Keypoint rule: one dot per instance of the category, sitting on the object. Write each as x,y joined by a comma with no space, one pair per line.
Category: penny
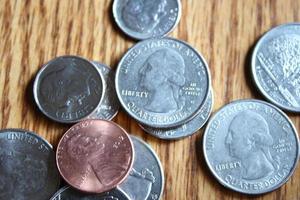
95,156
27,166
251,146
186,129
162,82
67,193
275,66
68,89
143,19
109,107
146,179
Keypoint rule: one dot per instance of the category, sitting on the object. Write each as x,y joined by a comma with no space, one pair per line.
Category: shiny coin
251,146
275,66
146,179
95,156
143,19
67,193
68,89
27,166
110,105
162,82
186,129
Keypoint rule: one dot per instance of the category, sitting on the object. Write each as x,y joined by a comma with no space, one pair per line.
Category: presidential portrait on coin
249,140
143,15
64,90
162,75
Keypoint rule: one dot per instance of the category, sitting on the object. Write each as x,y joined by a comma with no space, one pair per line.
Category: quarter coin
162,82
143,19
68,89
95,156
251,146
27,166
146,179
275,66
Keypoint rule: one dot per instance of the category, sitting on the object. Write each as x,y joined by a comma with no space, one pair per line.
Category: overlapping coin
146,179
162,82
187,129
251,146
95,156
68,89
27,166
143,19
275,66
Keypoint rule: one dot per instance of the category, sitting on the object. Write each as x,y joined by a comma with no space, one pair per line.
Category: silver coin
275,66
251,146
68,89
162,82
110,105
186,129
146,179
143,19
27,166
68,193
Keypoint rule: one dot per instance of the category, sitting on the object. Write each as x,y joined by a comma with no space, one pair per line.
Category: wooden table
224,31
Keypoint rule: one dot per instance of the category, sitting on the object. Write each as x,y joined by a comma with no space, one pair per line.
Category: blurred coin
27,166
68,89
276,66
251,146
109,107
143,19
186,129
95,156
67,193
162,82
146,179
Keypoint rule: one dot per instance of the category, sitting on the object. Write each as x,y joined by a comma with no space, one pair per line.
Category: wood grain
224,31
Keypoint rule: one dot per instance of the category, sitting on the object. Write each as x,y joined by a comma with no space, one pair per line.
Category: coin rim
117,21
220,180
36,84
253,66
113,185
169,125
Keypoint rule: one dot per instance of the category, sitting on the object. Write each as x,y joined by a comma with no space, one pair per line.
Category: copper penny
95,156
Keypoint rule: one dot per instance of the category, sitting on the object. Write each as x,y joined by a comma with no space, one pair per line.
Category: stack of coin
164,84
69,89
96,158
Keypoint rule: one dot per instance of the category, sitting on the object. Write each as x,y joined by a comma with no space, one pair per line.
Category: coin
146,179
109,107
162,82
67,193
27,166
251,146
275,66
95,156
143,19
186,129
68,89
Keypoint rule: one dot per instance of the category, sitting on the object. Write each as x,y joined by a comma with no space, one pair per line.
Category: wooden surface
224,31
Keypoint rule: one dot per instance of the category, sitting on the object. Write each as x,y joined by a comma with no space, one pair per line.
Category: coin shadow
210,179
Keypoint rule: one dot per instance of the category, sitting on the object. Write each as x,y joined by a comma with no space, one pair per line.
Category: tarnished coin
95,156
162,82
27,166
146,179
67,193
251,146
109,107
186,129
276,66
143,19
68,89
